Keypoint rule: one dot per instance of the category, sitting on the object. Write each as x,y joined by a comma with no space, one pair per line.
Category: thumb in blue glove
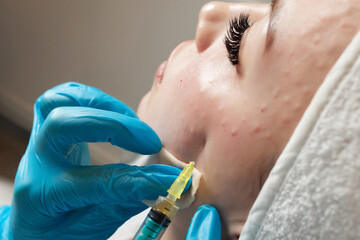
205,224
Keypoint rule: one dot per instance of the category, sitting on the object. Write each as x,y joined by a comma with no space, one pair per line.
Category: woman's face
234,120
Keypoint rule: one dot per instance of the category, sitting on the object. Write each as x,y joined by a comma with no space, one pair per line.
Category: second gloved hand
57,194
205,225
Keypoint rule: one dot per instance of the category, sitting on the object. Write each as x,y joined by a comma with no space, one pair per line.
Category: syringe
164,209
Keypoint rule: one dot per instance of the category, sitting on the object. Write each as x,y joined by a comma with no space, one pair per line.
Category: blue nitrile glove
57,194
205,224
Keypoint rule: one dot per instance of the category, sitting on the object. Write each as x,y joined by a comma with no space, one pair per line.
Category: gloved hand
205,224
57,194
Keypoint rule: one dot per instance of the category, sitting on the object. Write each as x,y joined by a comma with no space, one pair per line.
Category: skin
234,121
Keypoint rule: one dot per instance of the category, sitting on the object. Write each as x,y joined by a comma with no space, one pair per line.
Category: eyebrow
275,8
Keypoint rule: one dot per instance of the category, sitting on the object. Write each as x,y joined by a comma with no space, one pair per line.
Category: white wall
6,189
113,45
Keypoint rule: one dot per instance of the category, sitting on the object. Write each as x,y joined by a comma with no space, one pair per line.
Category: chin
143,106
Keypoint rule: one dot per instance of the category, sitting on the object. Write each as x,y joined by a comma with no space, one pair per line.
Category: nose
214,19
211,17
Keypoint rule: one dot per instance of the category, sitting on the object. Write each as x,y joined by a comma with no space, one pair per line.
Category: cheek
239,134
231,162
178,112
238,150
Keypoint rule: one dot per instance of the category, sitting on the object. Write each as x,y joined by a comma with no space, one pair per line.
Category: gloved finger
103,220
205,224
66,126
4,214
122,184
76,94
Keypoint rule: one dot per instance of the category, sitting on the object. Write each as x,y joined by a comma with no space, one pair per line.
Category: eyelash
233,36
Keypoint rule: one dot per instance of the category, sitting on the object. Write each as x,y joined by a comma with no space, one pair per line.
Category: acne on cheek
229,130
244,130
263,107
292,91
260,130
287,112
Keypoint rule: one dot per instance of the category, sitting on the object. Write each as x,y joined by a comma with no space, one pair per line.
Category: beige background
113,45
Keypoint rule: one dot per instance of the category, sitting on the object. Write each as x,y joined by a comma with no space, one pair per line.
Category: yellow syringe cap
179,185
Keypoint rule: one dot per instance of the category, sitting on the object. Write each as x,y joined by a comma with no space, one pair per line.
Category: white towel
313,191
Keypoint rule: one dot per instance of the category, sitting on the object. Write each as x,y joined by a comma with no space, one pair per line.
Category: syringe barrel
153,226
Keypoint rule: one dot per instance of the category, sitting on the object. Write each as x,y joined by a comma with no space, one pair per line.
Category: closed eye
233,36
